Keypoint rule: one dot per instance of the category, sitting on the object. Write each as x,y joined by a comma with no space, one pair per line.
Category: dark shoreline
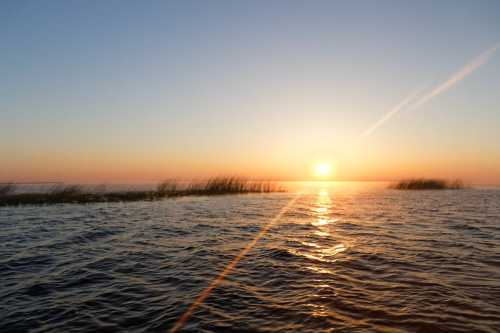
168,189
428,184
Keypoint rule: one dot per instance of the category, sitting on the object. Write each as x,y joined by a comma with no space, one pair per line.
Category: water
344,258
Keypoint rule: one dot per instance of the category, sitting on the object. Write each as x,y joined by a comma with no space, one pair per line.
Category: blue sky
122,90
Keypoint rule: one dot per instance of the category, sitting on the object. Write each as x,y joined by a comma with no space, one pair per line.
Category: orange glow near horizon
374,164
360,168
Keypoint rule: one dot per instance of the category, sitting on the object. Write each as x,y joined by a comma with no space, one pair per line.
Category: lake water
343,258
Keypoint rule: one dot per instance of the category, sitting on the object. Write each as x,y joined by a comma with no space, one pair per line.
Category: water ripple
338,261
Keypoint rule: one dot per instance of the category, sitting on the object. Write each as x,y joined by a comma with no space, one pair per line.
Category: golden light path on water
227,270
321,210
323,221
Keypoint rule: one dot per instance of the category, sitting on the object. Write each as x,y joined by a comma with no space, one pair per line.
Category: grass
428,184
6,189
166,189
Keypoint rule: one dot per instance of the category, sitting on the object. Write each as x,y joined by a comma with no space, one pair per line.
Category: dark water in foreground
342,259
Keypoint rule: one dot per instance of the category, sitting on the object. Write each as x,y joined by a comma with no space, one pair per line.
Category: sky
134,91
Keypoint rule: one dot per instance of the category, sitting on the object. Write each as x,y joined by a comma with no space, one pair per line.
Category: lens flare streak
454,79
227,270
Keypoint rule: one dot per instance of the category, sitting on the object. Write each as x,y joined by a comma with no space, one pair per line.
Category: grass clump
233,185
428,184
168,188
6,189
63,191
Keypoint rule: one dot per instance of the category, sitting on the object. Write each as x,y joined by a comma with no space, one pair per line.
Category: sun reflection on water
334,250
321,233
316,249
320,222
321,209
321,244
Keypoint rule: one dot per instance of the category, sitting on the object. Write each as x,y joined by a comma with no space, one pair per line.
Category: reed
428,184
228,185
165,189
6,189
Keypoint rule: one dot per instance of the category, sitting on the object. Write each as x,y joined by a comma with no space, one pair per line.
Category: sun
323,170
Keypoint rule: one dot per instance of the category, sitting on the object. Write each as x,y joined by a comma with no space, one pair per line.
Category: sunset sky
131,91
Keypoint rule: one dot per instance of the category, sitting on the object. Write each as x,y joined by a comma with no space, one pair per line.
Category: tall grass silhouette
428,184
165,189
6,189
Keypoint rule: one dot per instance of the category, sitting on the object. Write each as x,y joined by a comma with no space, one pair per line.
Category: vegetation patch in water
76,193
428,184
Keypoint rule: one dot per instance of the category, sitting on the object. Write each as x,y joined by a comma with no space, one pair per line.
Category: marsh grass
168,188
428,184
6,189
232,185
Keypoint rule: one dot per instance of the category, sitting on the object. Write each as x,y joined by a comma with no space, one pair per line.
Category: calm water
344,258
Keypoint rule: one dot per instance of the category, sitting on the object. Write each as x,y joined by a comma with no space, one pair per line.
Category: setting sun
323,170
